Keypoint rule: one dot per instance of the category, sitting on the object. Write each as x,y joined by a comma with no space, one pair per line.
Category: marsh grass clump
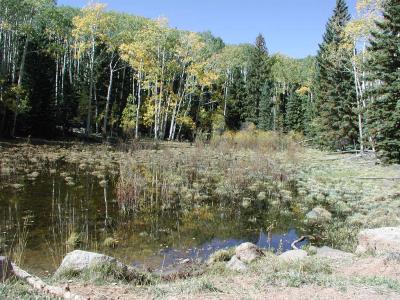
110,242
17,289
73,240
222,255
230,168
104,273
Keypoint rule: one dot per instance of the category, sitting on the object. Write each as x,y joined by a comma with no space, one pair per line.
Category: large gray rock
248,252
327,252
293,255
318,215
379,240
79,261
235,264
6,269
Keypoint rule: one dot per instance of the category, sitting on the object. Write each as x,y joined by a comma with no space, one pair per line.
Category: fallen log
42,287
293,245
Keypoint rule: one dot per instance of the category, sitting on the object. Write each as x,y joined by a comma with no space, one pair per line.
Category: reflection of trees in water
164,220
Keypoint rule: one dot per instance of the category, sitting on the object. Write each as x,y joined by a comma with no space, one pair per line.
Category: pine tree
336,98
257,82
295,116
236,96
384,68
265,118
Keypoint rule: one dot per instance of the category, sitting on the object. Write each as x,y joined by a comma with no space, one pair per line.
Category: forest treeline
92,71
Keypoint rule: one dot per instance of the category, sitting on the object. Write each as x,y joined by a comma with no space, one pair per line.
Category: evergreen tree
295,116
336,98
258,76
237,93
384,67
265,118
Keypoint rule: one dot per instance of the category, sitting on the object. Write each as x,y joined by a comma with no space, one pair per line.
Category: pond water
58,215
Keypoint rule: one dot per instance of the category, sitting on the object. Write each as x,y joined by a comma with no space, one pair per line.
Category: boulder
79,261
318,215
379,240
327,252
235,264
248,252
293,255
6,269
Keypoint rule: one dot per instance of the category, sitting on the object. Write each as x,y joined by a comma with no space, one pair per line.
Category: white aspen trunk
139,100
89,116
57,67
108,99
360,118
155,109
186,112
96,109
63,76
171,127
160,95
20,78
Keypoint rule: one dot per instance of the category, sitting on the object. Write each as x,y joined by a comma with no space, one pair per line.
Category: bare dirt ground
359,278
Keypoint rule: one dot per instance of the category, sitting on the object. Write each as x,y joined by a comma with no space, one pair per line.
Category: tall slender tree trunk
20,78
108,99
89,116
359,100
139,101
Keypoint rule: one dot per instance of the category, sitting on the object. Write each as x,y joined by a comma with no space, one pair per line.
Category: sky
291,27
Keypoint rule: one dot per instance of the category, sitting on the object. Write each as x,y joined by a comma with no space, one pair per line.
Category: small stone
293,255
236,264
248,252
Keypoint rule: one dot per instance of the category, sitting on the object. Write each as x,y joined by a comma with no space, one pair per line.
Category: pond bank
251,272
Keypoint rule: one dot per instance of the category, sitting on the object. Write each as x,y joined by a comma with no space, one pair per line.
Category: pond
61,206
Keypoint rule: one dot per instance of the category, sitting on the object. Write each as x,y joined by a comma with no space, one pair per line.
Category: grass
234,167
16,289
105,273
269,273
337,183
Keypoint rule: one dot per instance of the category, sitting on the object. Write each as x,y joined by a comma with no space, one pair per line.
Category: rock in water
248,252
6,269
318,215
379,240
236,264
293,255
